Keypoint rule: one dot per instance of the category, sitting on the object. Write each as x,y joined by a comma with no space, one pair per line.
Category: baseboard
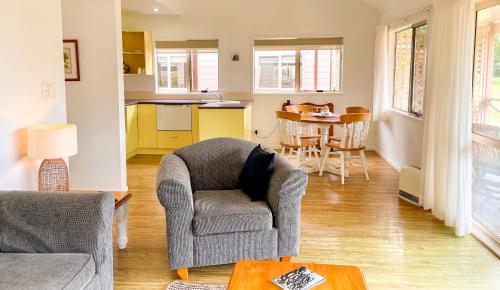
388,160
149,151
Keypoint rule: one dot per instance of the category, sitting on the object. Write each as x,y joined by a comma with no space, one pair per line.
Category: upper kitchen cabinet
137,52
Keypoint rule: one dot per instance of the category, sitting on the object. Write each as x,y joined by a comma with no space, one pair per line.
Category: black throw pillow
256,174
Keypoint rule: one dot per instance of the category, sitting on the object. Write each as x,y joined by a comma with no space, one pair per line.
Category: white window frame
188,73
296,90
279,54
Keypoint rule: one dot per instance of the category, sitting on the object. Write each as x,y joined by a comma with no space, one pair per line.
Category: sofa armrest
286,188
175,194
49,222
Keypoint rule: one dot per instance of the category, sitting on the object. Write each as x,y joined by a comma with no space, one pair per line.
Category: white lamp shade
52,141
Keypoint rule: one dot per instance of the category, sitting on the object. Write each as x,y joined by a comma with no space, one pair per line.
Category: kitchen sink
225,102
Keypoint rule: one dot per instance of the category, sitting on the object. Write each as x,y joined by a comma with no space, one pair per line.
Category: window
275,70
187,66
486,129
409,69
298,65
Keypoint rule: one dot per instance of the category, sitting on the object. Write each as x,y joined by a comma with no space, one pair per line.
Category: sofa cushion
45,271
228,211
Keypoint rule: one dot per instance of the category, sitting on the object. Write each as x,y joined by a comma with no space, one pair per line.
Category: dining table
324,123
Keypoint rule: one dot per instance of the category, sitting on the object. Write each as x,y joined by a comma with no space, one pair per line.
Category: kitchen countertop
203,104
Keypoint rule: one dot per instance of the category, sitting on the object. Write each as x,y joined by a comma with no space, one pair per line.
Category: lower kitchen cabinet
174,139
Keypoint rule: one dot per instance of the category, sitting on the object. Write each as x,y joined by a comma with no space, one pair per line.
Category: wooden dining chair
296,137
355,110
353,139
301,109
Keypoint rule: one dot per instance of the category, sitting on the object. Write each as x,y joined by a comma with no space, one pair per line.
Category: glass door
486,128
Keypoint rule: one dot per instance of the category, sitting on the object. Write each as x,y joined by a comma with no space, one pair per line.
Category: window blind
208,43
290,42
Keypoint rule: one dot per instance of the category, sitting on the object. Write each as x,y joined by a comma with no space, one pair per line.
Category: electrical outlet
48,91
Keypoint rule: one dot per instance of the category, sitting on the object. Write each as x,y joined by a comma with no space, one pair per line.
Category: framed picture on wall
71,60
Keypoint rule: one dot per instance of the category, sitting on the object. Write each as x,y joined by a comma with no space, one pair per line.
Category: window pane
269,75
419,69
172,69
177,75
324,69
307,64
402,70
320,70
275,70
205,71
486,123
288,71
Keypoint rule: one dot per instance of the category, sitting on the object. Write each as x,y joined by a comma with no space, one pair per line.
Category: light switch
48,91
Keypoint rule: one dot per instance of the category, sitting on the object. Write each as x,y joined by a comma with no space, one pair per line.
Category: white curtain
380,87
447,144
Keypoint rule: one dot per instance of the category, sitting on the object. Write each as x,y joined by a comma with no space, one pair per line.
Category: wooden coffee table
250,275
121,215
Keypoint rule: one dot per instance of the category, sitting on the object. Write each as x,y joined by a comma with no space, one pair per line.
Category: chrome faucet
215,94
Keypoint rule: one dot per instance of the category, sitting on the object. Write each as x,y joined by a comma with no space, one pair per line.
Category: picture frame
71,60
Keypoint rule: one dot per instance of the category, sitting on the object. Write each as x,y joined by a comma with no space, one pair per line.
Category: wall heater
409,185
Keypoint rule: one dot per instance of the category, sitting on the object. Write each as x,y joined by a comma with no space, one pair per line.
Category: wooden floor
396,245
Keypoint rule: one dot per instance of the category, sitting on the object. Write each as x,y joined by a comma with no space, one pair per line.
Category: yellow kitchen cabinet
234,123
138,52
146,114
195,123
132,131
174,139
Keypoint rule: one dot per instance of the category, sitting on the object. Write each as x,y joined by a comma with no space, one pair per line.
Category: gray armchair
56,240
211,222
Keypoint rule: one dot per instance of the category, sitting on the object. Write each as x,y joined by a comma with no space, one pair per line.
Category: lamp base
53,175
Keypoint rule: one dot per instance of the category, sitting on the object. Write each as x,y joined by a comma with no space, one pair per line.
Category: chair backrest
300,108
354,110
356,128
216,164
289,128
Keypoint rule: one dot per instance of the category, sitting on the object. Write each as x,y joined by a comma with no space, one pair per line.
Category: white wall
235,23
30,53
399,139
95,104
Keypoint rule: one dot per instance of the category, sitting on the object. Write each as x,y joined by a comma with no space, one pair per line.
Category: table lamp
52,143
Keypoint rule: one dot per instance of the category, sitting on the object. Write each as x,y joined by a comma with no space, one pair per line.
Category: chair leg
286,259
316,156
342,167
183,273
283,150
324,157
364,163
299,157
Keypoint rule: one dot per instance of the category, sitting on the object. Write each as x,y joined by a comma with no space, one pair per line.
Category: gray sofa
211,222
56,240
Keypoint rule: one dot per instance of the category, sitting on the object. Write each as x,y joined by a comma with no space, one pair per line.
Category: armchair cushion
256,174
45,271
215,164
229,211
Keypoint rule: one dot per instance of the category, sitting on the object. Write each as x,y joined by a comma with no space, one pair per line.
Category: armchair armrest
175,194
287,186
49,222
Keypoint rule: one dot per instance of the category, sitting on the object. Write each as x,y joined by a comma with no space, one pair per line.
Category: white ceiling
396,8
165,7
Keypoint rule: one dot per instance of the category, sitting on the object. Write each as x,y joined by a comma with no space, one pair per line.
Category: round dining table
324,124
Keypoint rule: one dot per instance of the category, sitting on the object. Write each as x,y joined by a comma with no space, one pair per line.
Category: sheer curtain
380,89
447,144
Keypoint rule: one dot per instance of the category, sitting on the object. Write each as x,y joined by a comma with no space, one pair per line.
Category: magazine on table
299,279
